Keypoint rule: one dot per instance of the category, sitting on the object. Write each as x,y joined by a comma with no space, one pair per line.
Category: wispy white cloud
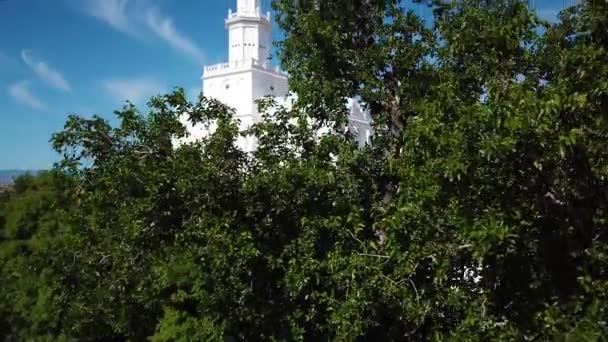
21,93
135,90
163,27
141,19
52,77
112,12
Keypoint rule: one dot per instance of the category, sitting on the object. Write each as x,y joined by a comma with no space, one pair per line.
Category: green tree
34,249
478,212
499,165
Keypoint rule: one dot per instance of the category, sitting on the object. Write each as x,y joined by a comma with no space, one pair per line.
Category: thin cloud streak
138,19
112,12
21,93
163,27
47,74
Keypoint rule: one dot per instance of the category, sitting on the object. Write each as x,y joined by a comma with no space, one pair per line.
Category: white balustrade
242,64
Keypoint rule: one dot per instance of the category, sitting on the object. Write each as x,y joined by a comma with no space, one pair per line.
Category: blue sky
86,57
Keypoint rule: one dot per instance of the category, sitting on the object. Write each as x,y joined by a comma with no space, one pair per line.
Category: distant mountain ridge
7,176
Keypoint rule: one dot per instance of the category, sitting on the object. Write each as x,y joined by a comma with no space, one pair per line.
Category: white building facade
248,75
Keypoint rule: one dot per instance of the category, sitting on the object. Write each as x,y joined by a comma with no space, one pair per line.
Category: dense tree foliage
478,212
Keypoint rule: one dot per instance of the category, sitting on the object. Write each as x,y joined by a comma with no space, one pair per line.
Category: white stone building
248,75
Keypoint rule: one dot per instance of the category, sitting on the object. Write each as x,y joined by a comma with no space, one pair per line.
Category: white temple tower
248,75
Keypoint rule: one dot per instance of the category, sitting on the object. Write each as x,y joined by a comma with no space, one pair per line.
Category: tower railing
256,14
238,65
